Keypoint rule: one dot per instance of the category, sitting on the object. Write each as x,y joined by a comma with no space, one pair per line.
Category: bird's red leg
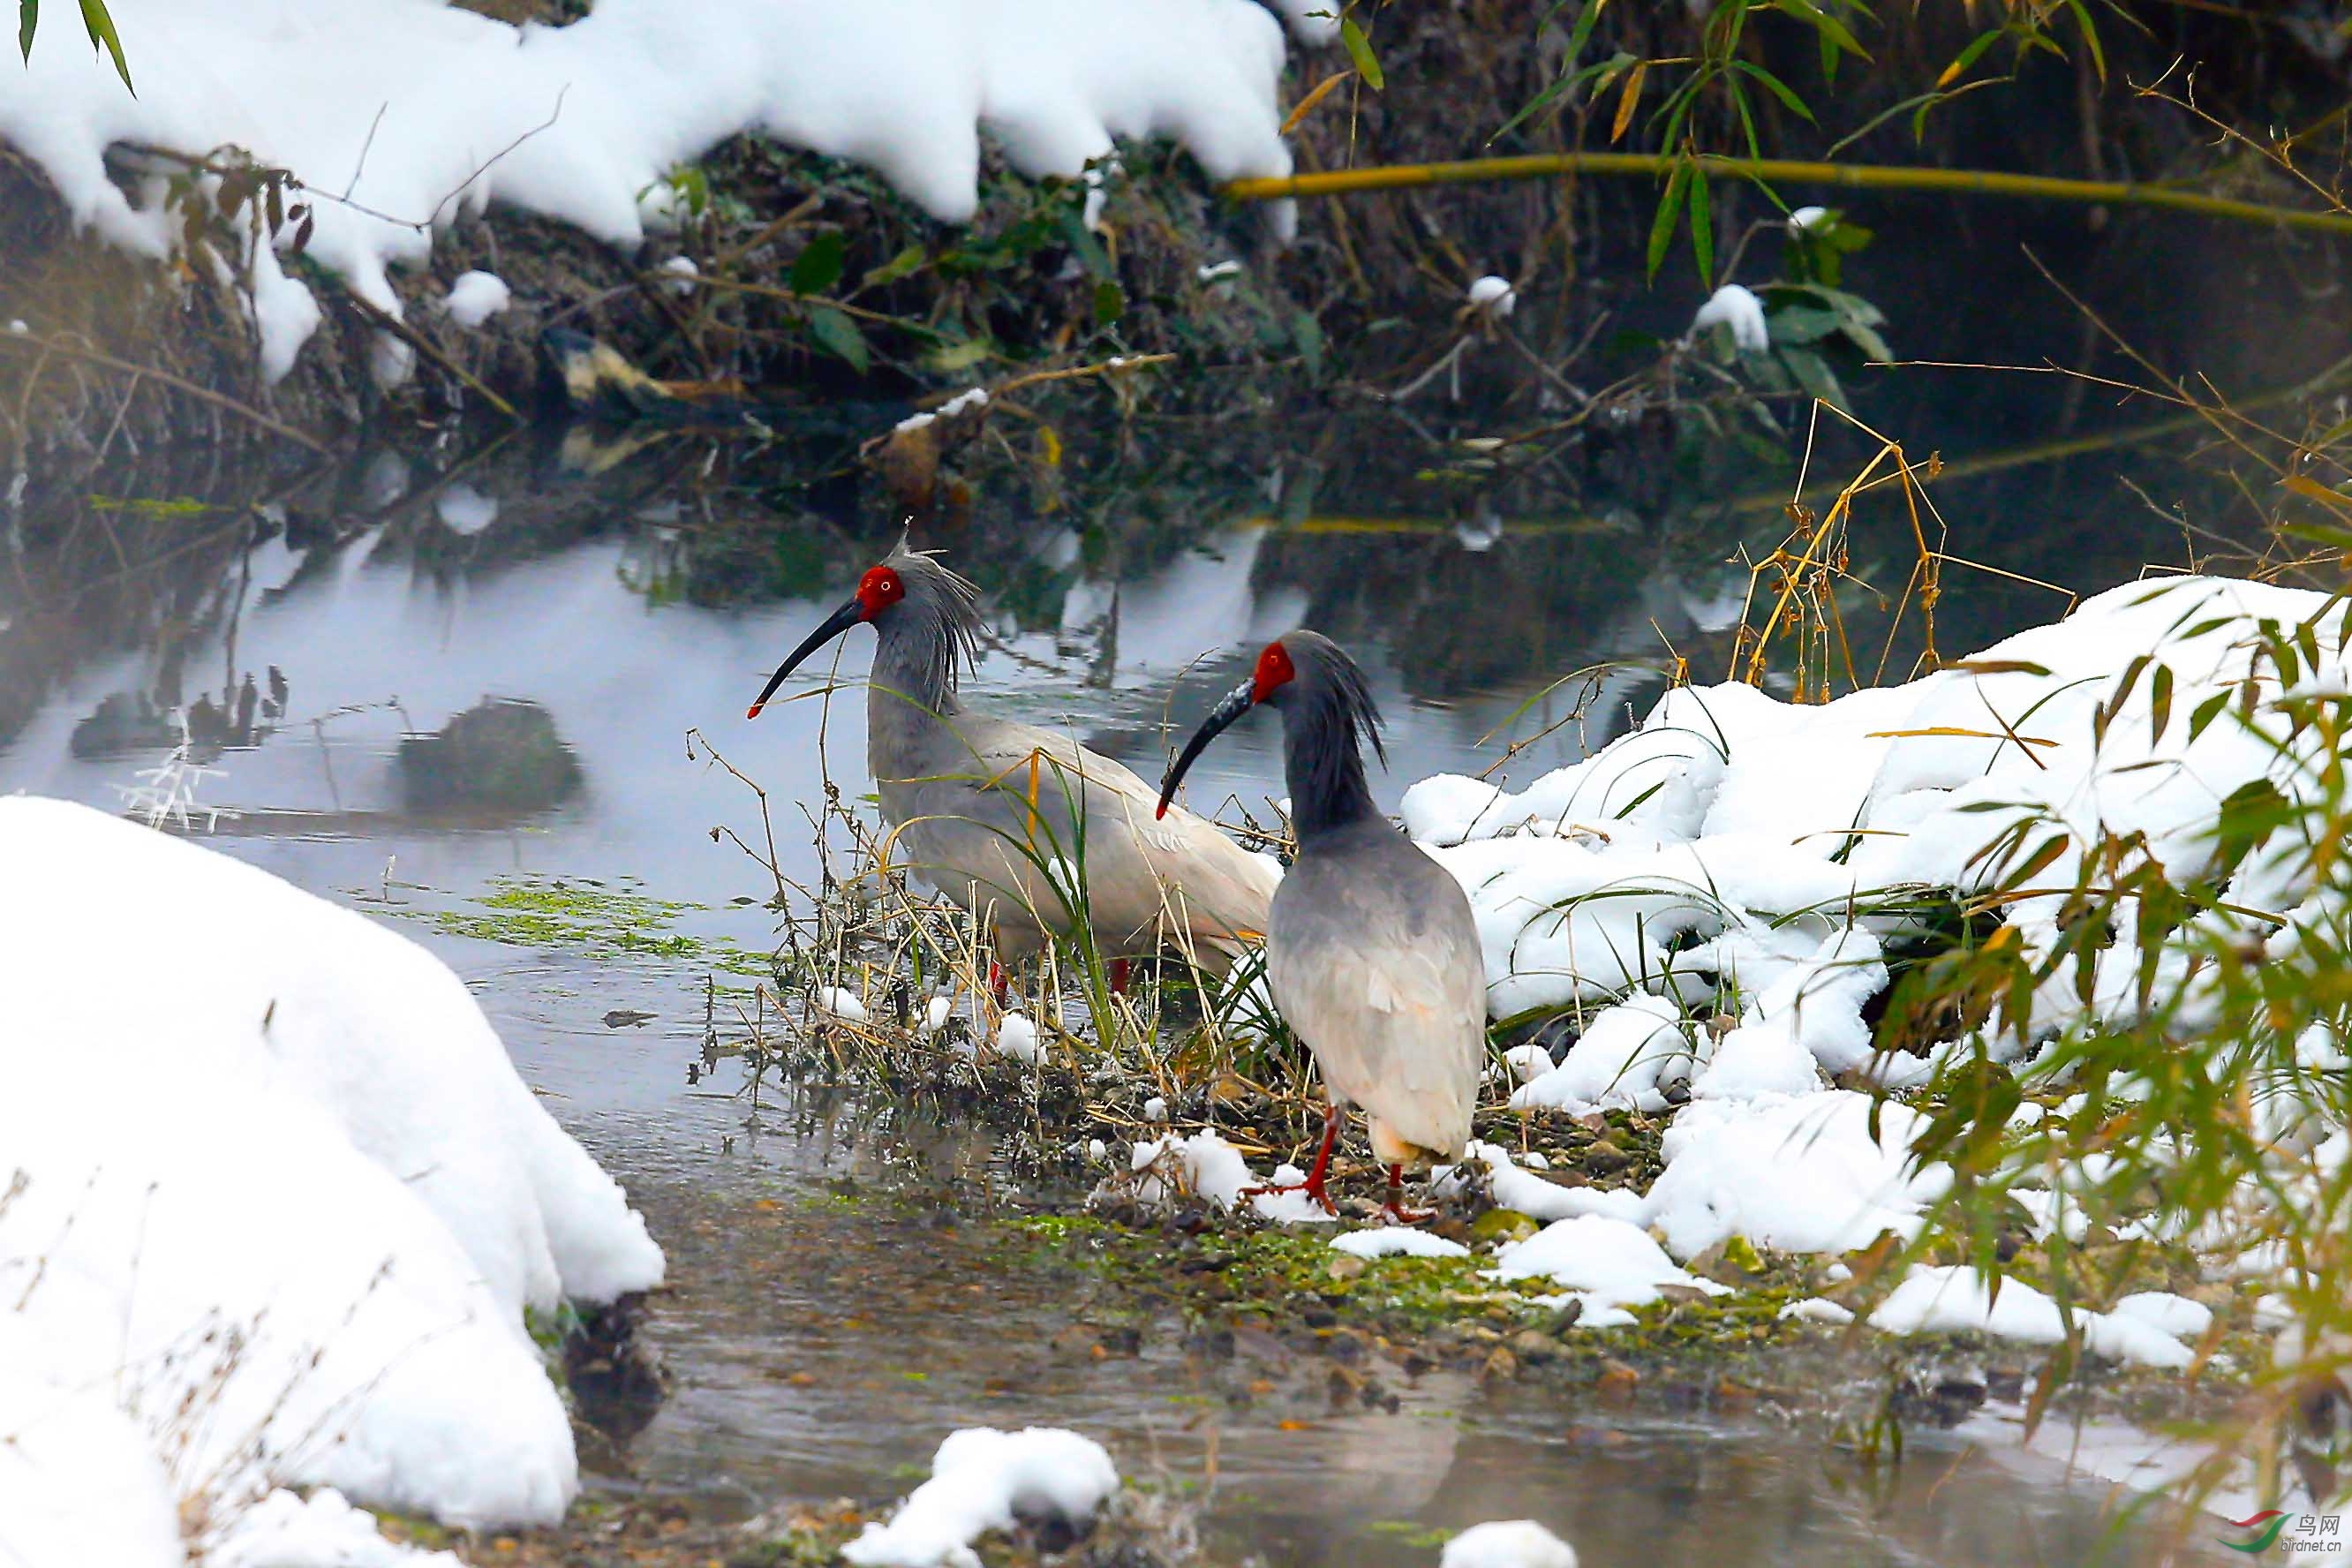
1119,977
1394,1208
996,980
1313,1185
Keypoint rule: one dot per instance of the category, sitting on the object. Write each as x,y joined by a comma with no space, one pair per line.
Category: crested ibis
982,808
1370,951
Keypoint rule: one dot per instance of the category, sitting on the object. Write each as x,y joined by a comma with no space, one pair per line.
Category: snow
1792,1175
187,1329
475,297
400,114
1627,1057
1527,1063
1607,1263
984,1479
1016,1039
964,402
1738,308
1958,1297
321,1531
838,1001
1805,217
464,510
1397,1241
1508,1543
1814,1309
1207,1166
1493,298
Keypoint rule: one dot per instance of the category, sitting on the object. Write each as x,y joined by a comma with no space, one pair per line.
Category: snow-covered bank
280,1207
398,114
1711,905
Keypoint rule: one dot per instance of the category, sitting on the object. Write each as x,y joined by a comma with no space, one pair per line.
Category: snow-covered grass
276,1208
399,114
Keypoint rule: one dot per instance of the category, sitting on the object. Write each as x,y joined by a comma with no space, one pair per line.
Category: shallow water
823,1346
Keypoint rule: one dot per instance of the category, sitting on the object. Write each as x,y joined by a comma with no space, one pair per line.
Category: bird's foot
1394,1207
1119,977
1312,1188
996,984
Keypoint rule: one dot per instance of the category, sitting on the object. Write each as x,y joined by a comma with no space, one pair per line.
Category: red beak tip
754,711
1162,812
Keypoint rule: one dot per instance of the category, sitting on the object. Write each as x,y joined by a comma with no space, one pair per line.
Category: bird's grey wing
1376,964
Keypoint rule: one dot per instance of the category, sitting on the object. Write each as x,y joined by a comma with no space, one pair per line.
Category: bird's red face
879,590
1273,670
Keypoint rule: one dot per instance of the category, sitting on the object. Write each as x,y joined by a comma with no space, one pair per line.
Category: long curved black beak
840,621
1236,703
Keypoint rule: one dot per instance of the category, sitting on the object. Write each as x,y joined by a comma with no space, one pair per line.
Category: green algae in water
594,918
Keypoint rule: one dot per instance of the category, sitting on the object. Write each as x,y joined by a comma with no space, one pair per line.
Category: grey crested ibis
983,809
1370,951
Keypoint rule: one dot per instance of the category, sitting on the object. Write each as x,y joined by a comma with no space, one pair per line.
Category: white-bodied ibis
1006,818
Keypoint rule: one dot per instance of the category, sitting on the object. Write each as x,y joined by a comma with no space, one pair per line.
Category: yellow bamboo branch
1873,177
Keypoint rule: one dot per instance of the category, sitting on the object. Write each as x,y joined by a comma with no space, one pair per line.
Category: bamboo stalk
1872,176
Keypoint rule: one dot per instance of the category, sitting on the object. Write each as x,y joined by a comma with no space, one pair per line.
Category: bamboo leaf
1776,86
1628,98
2159,703
818,266
29,17
1359,49
2205,713
1702,227
1668,218
100,27
1321,91
835,331
2090,37
1968,56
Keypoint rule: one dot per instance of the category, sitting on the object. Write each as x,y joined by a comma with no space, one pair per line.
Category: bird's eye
1274,669
879,589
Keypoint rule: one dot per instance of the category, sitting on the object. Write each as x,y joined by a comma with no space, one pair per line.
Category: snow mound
294,1239
1397,1241
1508,1543
983,1479
1753,856
1958,1299
1606,1263
412,110
1795,1175
1627,1057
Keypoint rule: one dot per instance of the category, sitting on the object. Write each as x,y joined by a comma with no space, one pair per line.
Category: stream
471,675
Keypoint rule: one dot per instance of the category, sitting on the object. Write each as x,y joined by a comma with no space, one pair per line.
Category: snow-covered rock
1508,1543
983,1479
294,1239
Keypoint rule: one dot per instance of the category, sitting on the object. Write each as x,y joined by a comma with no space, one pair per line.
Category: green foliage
95,20
1718,88
2191,1114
